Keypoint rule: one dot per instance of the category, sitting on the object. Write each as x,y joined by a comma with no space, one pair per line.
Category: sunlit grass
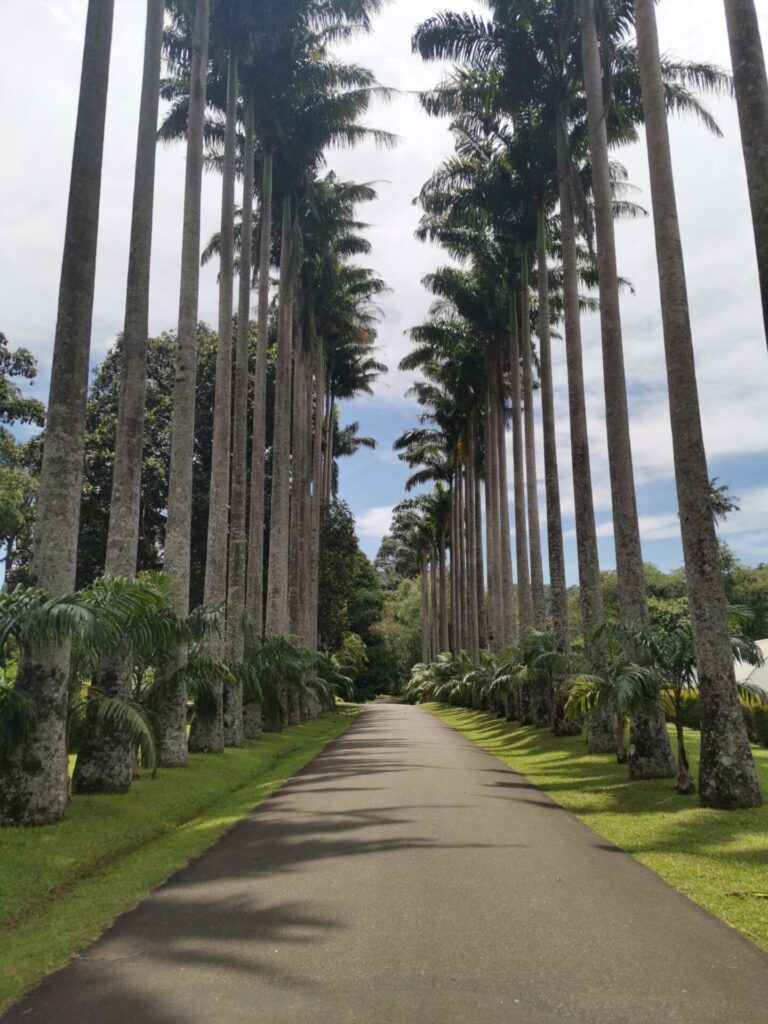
717,858
61,886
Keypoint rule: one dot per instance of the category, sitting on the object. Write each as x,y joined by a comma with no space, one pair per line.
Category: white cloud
376,522
714,212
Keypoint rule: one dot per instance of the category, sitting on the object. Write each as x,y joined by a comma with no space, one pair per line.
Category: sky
732,359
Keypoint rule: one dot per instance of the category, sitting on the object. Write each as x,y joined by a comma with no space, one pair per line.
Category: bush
755,719
749,723
691,711
760,723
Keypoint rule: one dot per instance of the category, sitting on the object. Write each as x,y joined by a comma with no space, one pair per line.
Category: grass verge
62,885
719,859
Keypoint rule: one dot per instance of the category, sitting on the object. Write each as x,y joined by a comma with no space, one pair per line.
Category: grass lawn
719,859
62,885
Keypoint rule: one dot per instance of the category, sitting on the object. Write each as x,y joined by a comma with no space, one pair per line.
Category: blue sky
730,347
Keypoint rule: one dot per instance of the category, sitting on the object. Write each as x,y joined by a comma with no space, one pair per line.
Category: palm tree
727,775
105,757
173,710
234,728
650,755
751,85
557,581
228,29
35,782
538,611
326,116
617,686
505,68
277,611
255,579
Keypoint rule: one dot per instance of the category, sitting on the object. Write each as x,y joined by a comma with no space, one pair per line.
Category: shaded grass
719,859
62,885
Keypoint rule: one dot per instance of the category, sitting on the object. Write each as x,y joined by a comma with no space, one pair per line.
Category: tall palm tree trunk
495,592
255,583
434,602
207,734
557,582
524,601
254,590
234,725
104,757
172,708
278,618
317,500
34,779
330,439
538,606
727,776
505,548
298,467
650,752
444,641
602,727
482,623
586,533
460,564
472,540
306,546
426,652
297,533
751,85
463,550
455,640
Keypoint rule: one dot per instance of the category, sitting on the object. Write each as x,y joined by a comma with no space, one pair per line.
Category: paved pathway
407,877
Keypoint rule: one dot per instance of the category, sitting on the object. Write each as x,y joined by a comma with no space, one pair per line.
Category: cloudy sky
39,102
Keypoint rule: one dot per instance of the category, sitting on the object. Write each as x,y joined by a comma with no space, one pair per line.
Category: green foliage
533,672
17,719
14,407
394,563
353,653
17,461
365,604
338,565
393,644
128,718
746,588
760,725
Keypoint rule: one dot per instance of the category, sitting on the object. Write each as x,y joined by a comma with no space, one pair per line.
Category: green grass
62,885
708,855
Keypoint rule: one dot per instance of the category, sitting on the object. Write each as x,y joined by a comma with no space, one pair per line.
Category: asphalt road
407,877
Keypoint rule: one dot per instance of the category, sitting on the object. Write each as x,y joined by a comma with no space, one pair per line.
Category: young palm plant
672,659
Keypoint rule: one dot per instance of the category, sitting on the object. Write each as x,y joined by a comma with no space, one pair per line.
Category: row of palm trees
539,95
538,685
254,92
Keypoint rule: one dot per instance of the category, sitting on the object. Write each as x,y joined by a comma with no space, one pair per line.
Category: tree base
602,731
650,752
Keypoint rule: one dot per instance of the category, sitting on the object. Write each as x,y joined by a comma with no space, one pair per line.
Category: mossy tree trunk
650,753
104,757
34,781
207,733
751,85
172,708
727,778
